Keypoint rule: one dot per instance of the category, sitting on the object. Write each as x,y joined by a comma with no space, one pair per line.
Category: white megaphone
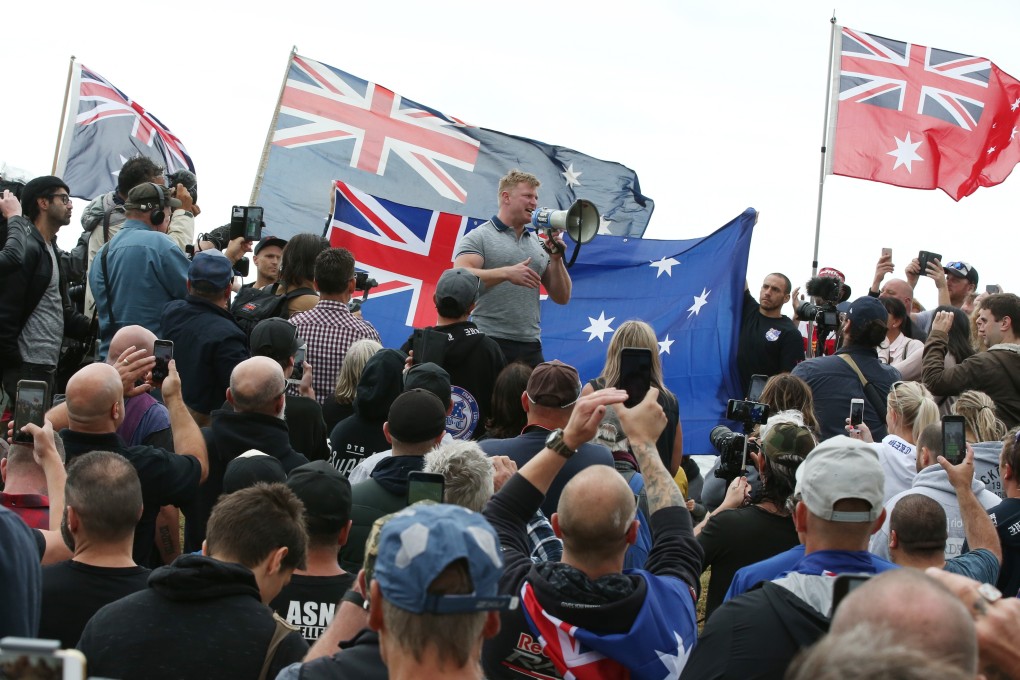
580,221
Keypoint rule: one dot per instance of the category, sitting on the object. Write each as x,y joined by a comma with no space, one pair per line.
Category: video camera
188,179
732,446
824,315
365,284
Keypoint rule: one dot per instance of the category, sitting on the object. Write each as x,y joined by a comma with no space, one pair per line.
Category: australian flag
108,128
689,291
332,125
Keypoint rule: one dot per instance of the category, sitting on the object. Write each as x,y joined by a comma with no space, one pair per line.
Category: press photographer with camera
853,372
748,527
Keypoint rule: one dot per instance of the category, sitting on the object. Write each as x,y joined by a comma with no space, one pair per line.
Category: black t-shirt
736,538
72,592
768,346
1006,516
309,602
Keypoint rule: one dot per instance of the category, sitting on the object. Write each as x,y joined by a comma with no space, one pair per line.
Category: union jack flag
108,128
921,117
332,125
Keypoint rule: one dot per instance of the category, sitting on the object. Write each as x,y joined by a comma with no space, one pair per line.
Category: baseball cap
149,196
417,544
275,338
270,241
787,439
456,290
554,384
963,270
212,267
841,468
41,186
416,416
431,377
325,492
252,467
865,309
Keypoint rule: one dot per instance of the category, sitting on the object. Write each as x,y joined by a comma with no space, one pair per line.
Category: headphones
158,213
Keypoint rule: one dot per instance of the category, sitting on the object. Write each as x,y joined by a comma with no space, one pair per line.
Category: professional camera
730,446
15,187
363,283
830,291
188,179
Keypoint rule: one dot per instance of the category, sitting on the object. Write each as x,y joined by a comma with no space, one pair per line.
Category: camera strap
870,393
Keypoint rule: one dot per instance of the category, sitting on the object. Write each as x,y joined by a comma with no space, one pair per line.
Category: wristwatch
555,442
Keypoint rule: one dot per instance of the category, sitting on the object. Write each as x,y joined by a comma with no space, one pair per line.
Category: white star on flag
1015,105
905,152
990,150
699,302
116,173
1013,134
674,663
599,327
664,345
664,265
571,176
604,225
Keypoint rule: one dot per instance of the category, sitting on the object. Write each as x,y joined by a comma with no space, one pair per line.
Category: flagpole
264,160
63,116
821,173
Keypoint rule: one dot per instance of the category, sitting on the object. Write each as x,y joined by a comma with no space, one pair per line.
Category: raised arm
642,424
977,525
188,438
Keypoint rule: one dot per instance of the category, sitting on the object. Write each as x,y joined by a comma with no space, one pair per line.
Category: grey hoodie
986,466
933,482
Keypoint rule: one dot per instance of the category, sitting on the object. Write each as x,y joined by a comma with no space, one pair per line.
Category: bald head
899,289
92,394
595,512
137,336
256,386
923,614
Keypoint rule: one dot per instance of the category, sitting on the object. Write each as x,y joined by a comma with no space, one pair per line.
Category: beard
65,533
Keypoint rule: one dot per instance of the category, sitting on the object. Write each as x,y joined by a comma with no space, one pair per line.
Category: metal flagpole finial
833,19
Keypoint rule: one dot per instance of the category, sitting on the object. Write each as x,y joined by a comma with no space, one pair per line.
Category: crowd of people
245,483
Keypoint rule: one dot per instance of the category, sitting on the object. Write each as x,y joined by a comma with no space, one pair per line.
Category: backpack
252,305
637,554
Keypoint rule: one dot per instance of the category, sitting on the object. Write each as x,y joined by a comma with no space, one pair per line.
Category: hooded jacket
1006,517
933,482
899,463
995,372
360,435
230,435
986,466
198,618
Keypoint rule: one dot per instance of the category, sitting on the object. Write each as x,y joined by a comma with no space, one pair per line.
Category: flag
108,128
921,117
678,287
332,125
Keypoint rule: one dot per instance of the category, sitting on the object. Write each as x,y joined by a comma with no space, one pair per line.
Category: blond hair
354,362
978,411
915,406
632,333
513,178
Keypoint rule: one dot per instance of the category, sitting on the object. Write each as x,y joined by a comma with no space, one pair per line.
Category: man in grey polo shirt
512,263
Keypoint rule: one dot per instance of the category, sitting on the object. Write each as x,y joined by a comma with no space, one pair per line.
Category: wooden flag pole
257,186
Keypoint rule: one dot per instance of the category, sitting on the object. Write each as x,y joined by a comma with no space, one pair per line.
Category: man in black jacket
641,621
35,313
206,615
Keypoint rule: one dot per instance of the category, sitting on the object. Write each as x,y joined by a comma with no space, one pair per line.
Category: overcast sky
716,106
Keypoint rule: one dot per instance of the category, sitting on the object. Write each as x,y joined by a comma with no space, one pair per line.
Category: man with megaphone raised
512,263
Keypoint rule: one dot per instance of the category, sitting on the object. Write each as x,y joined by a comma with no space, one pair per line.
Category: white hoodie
899,462
933,482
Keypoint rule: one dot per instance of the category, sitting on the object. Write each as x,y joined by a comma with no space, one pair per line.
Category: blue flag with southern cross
690,291
332,125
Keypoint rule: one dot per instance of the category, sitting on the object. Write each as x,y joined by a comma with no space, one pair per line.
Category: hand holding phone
923,258
856,415
31,403
954,439
246,221
635,374
163,351
425,486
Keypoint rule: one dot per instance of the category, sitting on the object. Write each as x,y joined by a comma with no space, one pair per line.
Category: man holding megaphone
512,262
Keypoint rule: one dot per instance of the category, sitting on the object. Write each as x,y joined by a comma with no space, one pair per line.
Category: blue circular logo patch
464,417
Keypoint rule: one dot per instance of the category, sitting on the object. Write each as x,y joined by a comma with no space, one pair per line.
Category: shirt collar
501,227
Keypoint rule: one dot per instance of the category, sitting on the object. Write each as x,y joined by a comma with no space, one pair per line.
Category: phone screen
856,412
30,408
635,374
62,664
954,439
253,223
163,350
757,385
299,366
424,486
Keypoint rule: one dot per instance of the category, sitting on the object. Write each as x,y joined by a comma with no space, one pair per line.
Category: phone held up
30,406
954,439
856,415
425,486
163,350
635,374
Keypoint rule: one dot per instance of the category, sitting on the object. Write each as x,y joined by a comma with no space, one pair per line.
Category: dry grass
704,597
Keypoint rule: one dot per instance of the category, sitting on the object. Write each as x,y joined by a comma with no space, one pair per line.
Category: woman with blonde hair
911,408
639,334
342,404
984,433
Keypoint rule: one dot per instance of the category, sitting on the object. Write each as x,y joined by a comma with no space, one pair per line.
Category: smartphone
993,288
846,584
757,385
856,414
30,658
954,439
747,411
31,404
635,374
246,221
887,252
163,350
924,257
429,346
299,366
425,486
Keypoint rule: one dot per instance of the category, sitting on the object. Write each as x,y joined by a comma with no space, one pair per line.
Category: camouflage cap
788,439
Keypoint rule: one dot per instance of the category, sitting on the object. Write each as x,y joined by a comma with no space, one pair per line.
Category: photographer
759,526
854,371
